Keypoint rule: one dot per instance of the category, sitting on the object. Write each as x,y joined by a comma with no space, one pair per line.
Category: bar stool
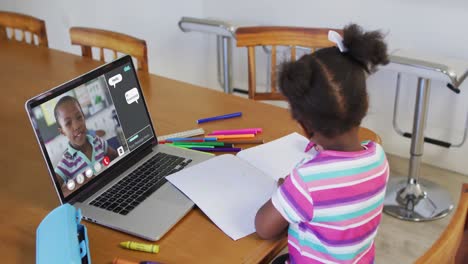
225,33
411,198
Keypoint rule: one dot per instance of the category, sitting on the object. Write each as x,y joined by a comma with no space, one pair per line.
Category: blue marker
214,118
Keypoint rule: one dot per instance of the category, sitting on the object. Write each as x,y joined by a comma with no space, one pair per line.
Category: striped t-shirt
74,162
333,203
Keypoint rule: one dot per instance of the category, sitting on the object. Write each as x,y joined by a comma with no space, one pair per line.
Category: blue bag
61,239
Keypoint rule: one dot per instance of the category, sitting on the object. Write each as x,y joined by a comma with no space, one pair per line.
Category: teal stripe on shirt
291,218
322,249
337,218
342,173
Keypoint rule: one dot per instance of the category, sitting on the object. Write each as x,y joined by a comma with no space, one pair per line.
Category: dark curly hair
60,102
326,90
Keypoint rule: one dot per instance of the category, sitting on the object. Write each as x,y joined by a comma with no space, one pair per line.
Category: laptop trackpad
151,219
164,209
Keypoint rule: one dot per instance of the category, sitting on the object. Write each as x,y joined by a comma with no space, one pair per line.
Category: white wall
171,53
429,26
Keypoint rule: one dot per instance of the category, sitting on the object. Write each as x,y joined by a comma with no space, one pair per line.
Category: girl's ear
60,130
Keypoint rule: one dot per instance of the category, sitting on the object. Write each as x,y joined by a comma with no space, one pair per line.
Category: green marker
188,149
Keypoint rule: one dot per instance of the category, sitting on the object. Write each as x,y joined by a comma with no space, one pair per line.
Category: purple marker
214,118
199,139
218,149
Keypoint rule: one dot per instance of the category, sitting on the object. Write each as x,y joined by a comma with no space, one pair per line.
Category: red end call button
106,161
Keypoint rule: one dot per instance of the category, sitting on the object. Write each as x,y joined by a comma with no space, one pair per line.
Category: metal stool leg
224,50
411,198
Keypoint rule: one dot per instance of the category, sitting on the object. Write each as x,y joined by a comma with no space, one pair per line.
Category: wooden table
26,191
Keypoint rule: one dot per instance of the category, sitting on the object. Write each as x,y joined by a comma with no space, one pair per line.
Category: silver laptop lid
90,127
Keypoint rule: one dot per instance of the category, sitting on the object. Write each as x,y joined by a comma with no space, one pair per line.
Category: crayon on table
221,117
152,248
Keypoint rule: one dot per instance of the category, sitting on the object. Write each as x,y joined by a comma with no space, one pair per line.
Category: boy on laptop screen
102,153
85,151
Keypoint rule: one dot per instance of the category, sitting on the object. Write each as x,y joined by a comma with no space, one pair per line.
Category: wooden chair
293,37
23,24
312,38
452,245
104,39
367,134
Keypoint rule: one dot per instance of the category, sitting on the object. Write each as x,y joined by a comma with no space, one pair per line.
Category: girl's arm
269,223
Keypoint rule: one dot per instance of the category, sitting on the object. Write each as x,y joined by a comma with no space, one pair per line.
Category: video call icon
80,178
97,167
120,150
106,161
88,172
71,185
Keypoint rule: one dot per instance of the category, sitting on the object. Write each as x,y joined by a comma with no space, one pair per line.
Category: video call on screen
127,101
106,113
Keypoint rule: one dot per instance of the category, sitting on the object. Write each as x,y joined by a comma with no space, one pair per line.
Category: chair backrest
22,24
116,42
445,249
367,134
251,37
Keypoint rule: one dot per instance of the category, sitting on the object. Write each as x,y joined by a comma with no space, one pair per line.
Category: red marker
106,160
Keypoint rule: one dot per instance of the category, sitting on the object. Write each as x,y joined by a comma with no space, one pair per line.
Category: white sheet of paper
278,157
228,190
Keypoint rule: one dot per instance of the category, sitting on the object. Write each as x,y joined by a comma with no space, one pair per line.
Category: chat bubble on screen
115,79
132,95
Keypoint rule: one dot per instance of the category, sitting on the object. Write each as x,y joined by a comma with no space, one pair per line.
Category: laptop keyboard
133,189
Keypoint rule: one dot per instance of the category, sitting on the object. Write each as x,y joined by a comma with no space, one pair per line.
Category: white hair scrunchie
336,38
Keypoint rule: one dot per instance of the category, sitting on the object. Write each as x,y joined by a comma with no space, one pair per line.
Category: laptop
102,152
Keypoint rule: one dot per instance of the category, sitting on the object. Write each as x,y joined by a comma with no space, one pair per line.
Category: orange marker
123,261
235,136
245,141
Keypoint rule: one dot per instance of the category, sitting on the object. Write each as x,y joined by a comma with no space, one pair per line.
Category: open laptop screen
89,124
